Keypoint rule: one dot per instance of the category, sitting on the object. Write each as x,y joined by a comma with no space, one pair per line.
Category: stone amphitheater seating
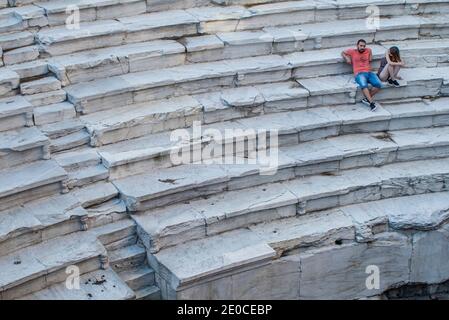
86,179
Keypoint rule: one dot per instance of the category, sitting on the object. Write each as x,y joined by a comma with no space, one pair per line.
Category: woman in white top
390,66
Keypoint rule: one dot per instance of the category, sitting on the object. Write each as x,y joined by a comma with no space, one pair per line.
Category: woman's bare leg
394,73
385,73
390,72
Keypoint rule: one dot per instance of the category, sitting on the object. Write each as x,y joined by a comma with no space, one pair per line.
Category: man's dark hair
361,40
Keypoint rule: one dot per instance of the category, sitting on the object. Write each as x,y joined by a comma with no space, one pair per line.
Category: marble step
59,40
71,160
86,176
290,12
138,278
40,220
15,112
325,49
108,212
126,242
30,70
211,20
149,293
365,220
325,62
233,45
175,224
115,60
11,24
411,6
13,40
9,82
95,64
328,156
259,11
30,16
122,90
46,98
30,182
127,257
40,86
130,58
301,243
119,90
332,34
100,34
332,90
145,118
189,263
21,55
52,113
155,151
221,257
412,48
424,212
139,155
95,193
22,146
70,141
92,10
162,5
112,233
136,120
32,269
62,128
281,14
420,215
420,82
96,285
95,10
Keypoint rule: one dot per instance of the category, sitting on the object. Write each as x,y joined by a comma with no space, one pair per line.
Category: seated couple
361,58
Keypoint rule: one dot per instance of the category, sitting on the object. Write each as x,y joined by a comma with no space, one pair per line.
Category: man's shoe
365,101
373,106
393,83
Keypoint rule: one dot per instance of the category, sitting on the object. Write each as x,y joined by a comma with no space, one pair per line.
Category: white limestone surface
48,257
39,214
315,230
29,176
204,258
340,272
96,285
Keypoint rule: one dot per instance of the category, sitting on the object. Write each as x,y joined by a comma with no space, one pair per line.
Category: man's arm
346,57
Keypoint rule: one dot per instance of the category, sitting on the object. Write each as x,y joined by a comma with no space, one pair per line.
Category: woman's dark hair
395,56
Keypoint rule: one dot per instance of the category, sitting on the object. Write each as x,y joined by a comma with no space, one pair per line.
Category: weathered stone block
342,271
21,55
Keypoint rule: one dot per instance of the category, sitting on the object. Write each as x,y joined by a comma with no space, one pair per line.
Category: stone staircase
87,178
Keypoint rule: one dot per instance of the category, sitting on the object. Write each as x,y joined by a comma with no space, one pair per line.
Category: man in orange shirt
360,59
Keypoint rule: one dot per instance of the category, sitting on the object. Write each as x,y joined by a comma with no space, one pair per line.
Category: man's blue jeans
363,78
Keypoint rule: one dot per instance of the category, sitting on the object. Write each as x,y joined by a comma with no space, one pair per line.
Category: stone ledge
22,146
39,221
205,258
30,176
112,287
184,178
308,244
230,210
43,261
135,156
